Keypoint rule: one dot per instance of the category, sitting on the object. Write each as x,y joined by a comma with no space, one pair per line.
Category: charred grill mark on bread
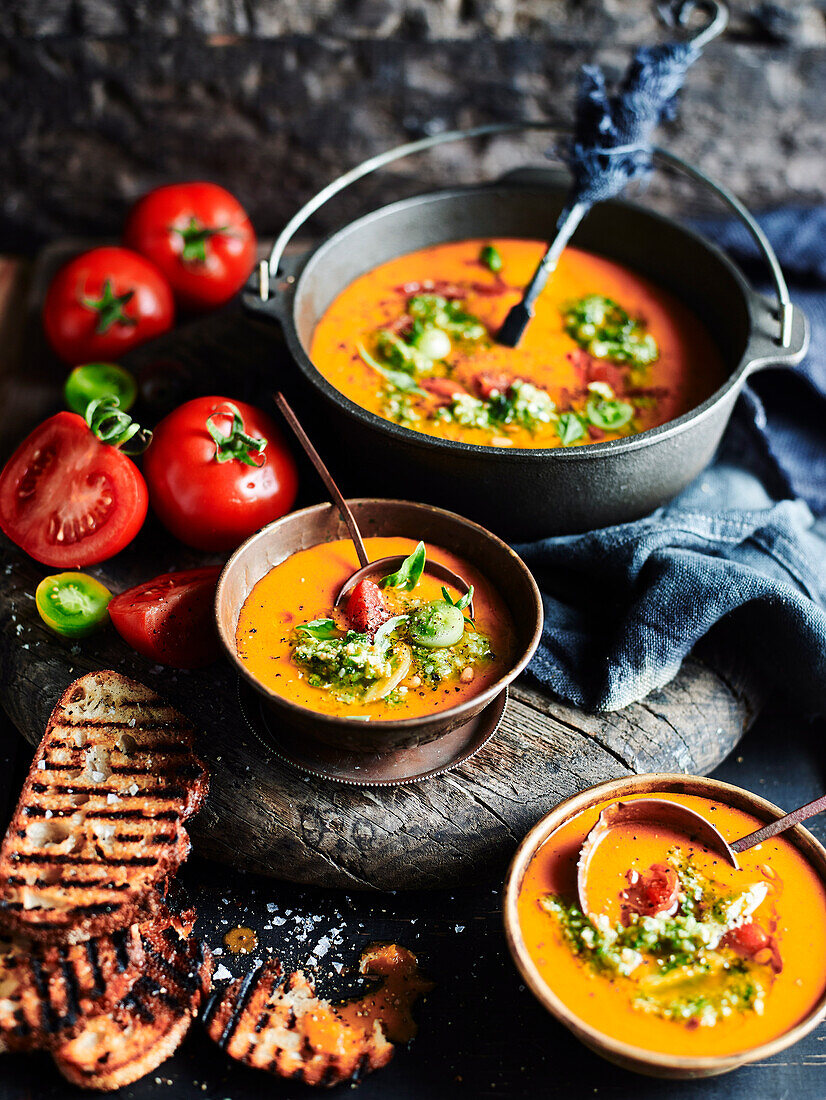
101,815
261,1022
48,989
146,1027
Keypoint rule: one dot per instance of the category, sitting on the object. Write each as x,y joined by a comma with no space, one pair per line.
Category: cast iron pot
530,493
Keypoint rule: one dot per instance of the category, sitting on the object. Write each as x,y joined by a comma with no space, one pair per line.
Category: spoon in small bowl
381,567
661,811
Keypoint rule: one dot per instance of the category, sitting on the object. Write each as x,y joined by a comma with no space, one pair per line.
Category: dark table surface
481,1033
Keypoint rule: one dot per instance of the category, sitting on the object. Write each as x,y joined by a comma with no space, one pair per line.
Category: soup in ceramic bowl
683,964
402,646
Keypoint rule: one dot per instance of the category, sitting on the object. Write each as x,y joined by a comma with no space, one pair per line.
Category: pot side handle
763,349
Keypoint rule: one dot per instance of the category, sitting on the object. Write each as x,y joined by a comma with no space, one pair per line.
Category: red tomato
170,618
365,609
67,499
103,303
442,389
489,382
206,497
748,939
654,891
199,236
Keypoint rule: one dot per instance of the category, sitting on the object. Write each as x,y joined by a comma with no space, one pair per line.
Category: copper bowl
322,523
649,1062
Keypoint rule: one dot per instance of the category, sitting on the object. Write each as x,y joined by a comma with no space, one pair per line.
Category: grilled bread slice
101,816
114,1049
286,1029
45,990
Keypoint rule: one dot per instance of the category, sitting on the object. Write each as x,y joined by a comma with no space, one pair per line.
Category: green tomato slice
436,625
93,381
72,604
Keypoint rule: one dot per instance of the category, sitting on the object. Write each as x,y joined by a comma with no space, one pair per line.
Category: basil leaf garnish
491,257
399,379
320,629
463,601
570,428
409,572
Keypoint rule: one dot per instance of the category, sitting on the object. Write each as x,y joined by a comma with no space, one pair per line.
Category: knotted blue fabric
741,551
612,140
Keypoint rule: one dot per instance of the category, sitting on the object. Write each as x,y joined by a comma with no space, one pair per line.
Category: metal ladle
661,811
381,567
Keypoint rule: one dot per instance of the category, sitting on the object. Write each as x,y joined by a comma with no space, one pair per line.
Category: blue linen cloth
744,545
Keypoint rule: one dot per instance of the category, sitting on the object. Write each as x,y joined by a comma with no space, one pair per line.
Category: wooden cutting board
261,815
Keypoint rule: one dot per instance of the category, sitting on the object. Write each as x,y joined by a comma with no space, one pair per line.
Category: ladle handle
326,477
781,825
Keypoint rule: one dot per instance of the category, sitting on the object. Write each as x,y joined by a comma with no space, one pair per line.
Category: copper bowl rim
446,717
632,1057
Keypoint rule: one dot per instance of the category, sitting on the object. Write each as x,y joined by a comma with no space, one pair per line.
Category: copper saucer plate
369,769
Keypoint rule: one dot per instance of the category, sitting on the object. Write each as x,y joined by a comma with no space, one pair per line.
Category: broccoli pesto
681,966
402,642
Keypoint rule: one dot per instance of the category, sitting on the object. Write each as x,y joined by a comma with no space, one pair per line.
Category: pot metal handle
269,270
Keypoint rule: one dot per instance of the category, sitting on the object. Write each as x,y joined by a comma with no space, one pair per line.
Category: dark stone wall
101,100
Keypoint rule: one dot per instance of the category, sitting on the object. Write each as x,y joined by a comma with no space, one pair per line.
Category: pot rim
385,725
756,309
606,1045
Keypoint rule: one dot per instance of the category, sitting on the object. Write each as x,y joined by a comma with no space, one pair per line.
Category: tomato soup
401,648
680,953
607,354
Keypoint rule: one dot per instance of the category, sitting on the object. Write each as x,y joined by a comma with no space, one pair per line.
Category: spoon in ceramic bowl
381,567
661,811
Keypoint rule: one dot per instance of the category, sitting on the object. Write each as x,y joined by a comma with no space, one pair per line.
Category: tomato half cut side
69,500
653,892
169,619
72,604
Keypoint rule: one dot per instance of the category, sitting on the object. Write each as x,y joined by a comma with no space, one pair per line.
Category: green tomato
609,415
95,380
434,343
436,625
72,604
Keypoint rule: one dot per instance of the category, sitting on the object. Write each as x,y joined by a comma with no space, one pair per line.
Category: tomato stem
195,236
238,444
109,308
110,424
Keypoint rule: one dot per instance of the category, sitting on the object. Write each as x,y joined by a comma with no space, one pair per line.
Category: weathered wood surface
261,815
267,818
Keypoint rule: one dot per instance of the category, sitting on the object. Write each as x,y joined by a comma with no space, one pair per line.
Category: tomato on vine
217,471
69,495
104,302
199,236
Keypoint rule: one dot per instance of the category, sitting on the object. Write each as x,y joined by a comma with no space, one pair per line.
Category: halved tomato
68,499
169,619
366,609
652,892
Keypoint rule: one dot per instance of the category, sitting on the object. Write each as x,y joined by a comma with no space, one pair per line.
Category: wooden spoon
661,811
381,567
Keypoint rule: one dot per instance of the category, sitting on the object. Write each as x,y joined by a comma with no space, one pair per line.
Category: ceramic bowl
651,1063
322,523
